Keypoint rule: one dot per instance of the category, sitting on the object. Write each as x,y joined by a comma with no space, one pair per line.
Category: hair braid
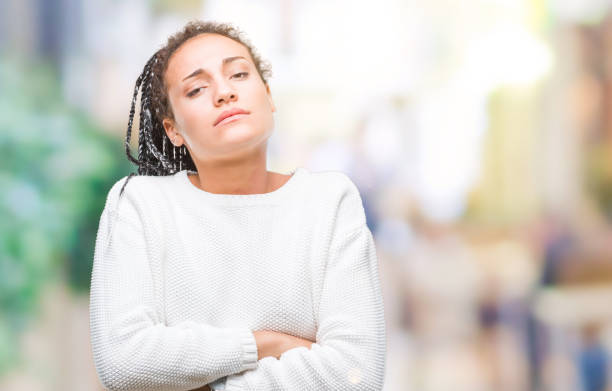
131,120
145,162
146,126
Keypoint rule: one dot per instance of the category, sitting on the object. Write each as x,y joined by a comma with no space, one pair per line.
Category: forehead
202,51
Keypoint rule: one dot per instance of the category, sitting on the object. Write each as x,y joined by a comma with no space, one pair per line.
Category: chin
239,137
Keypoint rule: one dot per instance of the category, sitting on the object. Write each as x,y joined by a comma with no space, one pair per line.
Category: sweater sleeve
132,347
350,348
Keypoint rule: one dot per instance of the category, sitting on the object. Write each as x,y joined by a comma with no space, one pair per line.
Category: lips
229,113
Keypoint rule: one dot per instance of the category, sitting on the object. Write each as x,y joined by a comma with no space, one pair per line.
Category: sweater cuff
249,349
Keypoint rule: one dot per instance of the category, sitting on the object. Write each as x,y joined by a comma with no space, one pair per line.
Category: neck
246,174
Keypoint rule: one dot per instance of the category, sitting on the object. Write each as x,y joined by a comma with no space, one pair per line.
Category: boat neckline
281,192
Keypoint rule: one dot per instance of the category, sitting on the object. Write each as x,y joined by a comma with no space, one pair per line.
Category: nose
225,93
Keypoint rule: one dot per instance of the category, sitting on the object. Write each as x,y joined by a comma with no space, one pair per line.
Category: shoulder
342,195
136,189
333,182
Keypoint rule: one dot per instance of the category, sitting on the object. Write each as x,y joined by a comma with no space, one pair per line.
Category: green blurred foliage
56,169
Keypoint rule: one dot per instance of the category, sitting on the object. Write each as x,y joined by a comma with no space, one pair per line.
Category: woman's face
207,75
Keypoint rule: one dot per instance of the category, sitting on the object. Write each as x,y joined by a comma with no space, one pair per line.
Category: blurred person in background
209,270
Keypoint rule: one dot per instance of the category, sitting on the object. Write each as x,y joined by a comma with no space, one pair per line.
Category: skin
230,158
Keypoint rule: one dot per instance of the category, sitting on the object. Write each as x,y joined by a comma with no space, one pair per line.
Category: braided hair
155,155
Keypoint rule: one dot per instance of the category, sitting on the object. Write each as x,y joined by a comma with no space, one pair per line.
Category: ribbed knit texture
182,277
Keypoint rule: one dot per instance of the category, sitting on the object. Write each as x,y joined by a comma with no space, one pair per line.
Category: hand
291,341
273,343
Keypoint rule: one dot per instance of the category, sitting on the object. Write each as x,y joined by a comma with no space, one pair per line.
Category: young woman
211,272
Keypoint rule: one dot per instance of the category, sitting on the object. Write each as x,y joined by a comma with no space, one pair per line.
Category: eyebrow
225,62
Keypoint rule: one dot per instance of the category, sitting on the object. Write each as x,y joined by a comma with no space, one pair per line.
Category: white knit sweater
182,277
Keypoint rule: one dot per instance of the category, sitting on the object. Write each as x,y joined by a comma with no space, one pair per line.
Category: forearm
183,356
332,366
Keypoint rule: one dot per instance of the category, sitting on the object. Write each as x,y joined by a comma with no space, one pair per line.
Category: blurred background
479,133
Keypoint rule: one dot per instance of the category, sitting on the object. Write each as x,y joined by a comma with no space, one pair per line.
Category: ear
172,132
270,97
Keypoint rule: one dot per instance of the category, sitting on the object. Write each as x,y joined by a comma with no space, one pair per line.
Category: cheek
265,118
194,114
261,99
267,106
266,110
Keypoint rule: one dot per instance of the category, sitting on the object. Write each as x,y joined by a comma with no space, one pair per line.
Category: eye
242,73
193,92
